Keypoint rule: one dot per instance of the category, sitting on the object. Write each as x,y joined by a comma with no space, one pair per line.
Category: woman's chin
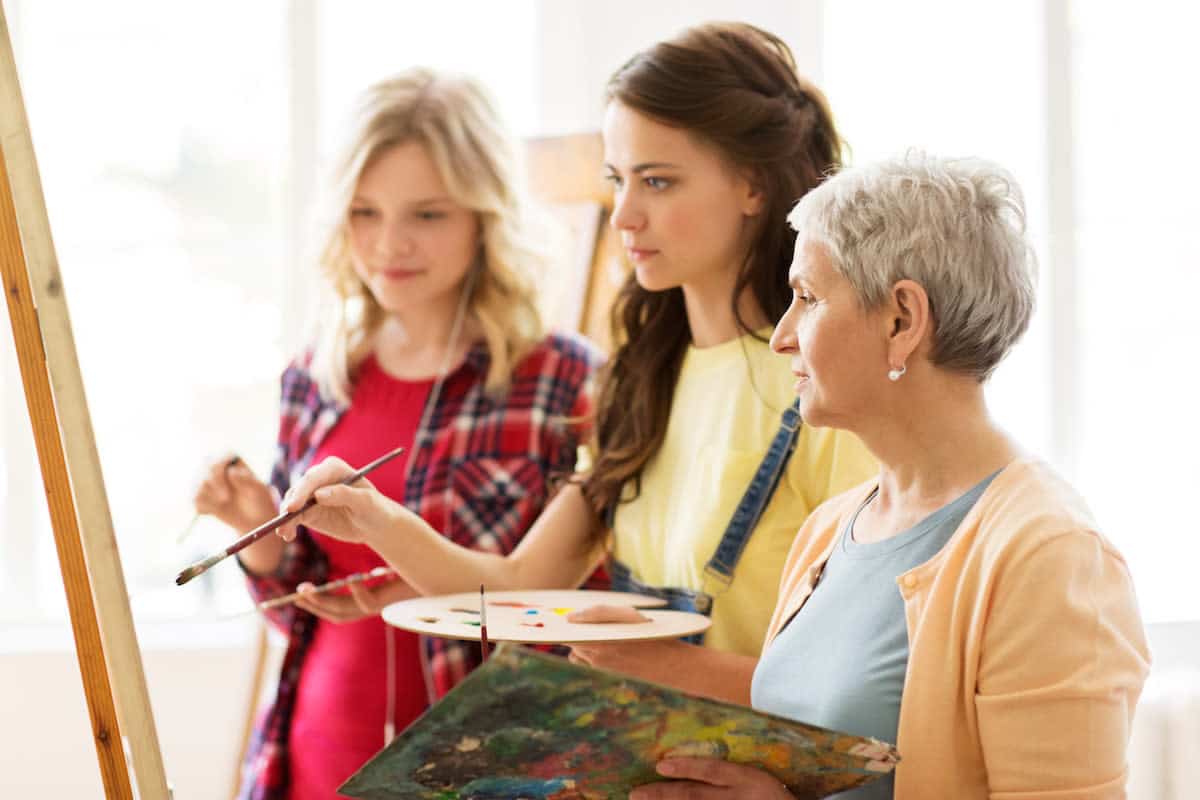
653,280
810,411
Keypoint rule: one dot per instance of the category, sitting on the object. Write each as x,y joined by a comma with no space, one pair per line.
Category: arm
233,494
1062,662
694,669
560,549
359,603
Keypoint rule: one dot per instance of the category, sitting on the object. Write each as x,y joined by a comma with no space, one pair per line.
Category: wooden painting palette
540,617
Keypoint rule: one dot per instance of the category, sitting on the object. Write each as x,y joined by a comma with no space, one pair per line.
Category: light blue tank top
840,662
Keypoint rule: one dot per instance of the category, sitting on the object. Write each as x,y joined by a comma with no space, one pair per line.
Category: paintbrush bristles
198,568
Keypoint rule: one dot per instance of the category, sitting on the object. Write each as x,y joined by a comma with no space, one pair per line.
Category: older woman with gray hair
964,604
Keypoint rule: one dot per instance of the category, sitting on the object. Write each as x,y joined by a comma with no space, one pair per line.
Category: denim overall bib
723,562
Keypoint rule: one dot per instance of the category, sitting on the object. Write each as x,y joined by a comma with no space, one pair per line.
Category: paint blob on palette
541,617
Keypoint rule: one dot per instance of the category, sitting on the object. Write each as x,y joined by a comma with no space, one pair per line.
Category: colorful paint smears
531,725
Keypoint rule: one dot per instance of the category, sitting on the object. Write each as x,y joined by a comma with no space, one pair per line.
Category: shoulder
1030,511
561,354
298,380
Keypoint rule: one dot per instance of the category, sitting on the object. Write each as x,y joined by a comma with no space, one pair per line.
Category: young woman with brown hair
702,472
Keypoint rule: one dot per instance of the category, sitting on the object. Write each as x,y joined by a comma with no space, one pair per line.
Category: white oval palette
540,617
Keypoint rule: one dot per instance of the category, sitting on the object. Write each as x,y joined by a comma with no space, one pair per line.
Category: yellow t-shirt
726,410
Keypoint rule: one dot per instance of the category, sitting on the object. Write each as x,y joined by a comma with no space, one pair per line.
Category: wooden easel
565,173
105,642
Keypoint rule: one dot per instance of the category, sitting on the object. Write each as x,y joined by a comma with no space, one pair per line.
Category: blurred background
182,147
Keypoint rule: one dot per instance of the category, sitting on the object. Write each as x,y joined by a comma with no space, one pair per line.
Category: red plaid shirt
479,475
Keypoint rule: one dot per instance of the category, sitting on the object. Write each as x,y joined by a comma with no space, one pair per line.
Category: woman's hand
711,779
632,658
362,602
232,493
350,513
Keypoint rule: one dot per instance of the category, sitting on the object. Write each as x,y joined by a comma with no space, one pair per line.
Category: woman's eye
362,213
615,180
430,215
656,183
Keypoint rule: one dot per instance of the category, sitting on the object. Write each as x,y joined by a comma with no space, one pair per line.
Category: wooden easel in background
105,642
565,174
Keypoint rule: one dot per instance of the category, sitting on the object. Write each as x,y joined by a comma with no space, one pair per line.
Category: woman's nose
626,215
396,240
783,338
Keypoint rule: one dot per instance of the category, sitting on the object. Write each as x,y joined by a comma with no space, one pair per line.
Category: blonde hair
455,119
956,226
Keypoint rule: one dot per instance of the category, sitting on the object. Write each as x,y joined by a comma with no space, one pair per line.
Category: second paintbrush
270,525
340,583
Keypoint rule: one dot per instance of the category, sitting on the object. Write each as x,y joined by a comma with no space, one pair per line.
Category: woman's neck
710,316
935,443
414,346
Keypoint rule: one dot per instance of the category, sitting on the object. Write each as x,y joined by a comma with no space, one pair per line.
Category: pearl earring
896,374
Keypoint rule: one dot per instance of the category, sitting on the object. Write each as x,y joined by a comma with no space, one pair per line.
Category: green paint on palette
471,622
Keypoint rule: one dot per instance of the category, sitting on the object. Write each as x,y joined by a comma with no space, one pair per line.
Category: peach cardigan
1026,650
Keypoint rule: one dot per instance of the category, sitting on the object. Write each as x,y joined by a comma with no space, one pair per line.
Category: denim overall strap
756,497
737,533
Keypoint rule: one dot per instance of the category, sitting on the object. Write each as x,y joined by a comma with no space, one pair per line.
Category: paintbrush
283,600
483,643
233,460
270,525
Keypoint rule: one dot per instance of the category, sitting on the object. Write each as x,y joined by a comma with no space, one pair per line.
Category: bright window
1139,278
1102,385
181,147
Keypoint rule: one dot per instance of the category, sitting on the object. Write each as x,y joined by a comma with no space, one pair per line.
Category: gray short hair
955,226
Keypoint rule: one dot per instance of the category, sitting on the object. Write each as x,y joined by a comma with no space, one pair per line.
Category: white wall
199,698
584,41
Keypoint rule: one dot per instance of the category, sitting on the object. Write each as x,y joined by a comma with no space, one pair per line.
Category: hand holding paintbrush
272,524
324,588
222,494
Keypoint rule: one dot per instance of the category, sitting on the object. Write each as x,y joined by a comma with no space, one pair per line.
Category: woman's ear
910,320
752,192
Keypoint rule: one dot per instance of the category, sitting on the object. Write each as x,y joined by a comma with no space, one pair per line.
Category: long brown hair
734,86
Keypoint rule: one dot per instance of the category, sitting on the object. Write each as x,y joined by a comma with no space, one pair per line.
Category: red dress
338,722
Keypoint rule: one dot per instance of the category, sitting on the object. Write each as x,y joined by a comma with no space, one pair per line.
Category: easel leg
88,645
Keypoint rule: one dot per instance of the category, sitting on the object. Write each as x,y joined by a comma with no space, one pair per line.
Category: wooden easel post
105,641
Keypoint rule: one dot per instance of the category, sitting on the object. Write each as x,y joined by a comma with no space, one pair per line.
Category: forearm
560,550
432,564
262,557
711,673
688,667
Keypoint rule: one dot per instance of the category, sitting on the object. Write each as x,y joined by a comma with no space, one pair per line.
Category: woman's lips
400,274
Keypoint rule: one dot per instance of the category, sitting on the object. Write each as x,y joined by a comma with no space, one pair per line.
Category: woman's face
838,351
682,211
411,244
